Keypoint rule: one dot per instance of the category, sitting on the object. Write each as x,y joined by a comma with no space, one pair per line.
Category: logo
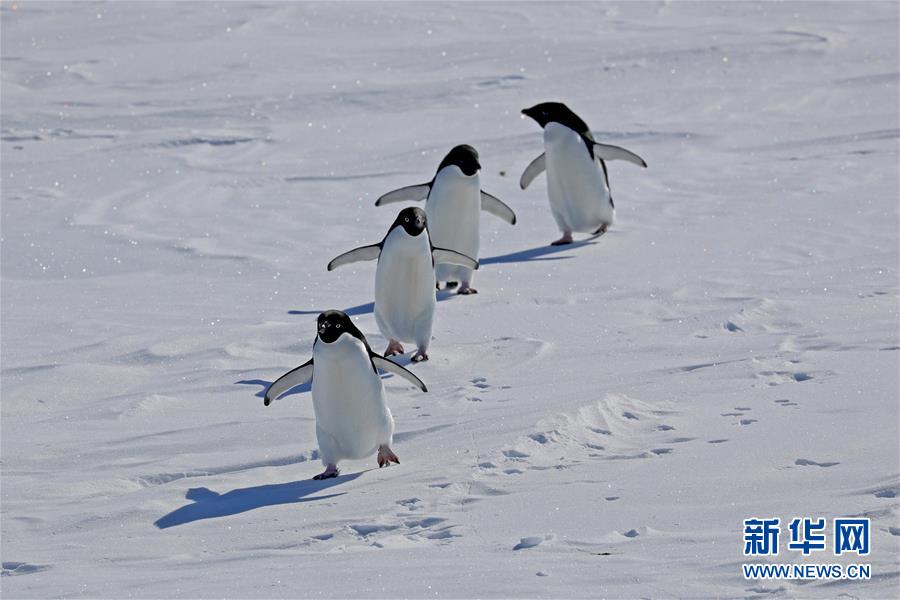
806,536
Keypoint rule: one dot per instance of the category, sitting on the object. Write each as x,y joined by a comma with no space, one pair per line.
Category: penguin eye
406,219
338,325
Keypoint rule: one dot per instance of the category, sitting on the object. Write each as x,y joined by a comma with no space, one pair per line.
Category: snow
176,176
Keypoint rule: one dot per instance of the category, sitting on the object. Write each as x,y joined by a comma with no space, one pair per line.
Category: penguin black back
463,156
557,112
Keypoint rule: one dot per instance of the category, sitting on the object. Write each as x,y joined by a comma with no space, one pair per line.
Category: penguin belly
453,210
576,186
352,419
404,288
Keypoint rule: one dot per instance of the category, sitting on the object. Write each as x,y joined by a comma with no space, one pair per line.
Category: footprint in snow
515,454
480,383
804,462
531,542
410,503
12,568
729,326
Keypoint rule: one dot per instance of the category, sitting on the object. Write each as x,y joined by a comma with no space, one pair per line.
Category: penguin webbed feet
419,356
565,239
466,290
329,472
602,229
386,456
394,348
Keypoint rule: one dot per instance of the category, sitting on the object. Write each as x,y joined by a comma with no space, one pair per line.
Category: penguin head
412,220
463,156
331,324
555,112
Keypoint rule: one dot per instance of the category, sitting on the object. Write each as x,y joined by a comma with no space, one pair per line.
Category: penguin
453,199
404,280
352,418
577,179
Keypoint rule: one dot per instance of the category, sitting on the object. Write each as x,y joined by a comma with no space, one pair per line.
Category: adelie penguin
577,179
453,200
352,418
404,280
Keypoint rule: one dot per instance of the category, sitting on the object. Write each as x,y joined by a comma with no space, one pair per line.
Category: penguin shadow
369,307
207,504
298,389
539,253
359,309
404,360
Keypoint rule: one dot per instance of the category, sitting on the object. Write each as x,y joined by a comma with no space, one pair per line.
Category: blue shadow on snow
368,307
297,389
537,254
207,504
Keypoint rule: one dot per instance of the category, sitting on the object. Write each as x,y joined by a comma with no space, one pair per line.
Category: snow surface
601,417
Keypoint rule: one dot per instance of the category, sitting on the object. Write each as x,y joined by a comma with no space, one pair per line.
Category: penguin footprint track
740,411
786,403
805,462
481,383
616,427
13,568
409,531
780,374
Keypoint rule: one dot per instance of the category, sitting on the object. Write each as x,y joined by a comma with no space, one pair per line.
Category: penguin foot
419,356
565,239
386,456
466,290
394,348
329,472
602,229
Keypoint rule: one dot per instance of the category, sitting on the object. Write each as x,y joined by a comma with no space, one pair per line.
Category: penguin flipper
410,193
493,205
610,152
537,166
292,378
357,254
447,256
392,367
